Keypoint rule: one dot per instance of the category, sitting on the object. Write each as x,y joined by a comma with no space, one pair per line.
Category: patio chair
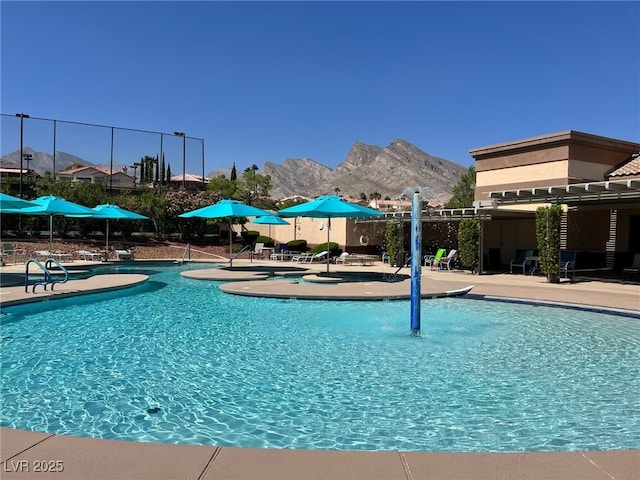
124,255
446,261
523,261
9,251
342,257
318,257
567,262
634,269
44,254
431,259
258,250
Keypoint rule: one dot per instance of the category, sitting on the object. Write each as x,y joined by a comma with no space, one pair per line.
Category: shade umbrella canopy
226,209
109,211
51,206
270,219
9,204
329,206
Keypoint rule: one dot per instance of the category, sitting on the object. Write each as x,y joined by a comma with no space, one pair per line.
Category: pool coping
104,459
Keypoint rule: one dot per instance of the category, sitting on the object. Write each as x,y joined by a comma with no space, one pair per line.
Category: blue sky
266,81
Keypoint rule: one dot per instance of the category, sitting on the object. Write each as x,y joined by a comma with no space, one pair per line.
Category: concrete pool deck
23,453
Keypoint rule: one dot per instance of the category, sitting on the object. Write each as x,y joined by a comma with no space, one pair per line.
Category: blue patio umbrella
52,206
329,206
10,204
226,209
270,219
109,211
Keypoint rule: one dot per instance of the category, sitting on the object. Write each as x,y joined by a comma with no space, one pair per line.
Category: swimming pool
177,361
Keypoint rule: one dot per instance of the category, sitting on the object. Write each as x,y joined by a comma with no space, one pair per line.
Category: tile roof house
97,174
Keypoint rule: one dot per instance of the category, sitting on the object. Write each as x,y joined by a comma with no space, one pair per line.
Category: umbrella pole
51,233
107,248
328,233
230,246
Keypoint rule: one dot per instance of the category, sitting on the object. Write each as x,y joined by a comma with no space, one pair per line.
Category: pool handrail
48,276
244,249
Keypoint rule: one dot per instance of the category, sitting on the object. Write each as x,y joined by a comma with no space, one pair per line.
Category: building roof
555,138
611,191
627,168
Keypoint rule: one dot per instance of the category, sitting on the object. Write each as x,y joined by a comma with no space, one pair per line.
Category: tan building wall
555,159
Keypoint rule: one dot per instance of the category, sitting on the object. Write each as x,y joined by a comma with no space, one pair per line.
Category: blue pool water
178,361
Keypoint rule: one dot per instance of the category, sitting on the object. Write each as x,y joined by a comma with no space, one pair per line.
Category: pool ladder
48,275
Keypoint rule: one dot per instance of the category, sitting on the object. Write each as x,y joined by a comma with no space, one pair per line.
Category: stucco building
596,179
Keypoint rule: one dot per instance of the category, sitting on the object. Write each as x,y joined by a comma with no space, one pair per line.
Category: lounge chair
43,254
342,257
431,259
9,251
523,261
124,255
318,257
567,262
88,255
446,261
634,269
258,250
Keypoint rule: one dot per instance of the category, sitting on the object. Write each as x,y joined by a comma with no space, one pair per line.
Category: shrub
548,236
334,249
268,241
297,245
250,236
392,239
469,243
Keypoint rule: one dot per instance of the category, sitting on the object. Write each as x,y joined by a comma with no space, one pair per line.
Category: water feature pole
416,263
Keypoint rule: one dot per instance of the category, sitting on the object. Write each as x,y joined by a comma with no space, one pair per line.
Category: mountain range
400,168
397,169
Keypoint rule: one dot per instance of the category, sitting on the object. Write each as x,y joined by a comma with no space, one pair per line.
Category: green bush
334,249
392,239
548,236
250,236
268,241
297,245
469,243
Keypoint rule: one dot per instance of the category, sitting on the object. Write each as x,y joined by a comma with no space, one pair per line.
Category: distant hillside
399,168
42,162
391,171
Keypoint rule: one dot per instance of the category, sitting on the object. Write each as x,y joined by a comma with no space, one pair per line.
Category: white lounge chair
258,250
446,261
319,257
342,258
124,255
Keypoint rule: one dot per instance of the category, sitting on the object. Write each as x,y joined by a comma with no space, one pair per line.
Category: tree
222,186
375,196
548,236
469,243
234,173
393,240
464,190
254,188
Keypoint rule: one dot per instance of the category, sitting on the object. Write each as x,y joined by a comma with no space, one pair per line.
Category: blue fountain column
416,264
